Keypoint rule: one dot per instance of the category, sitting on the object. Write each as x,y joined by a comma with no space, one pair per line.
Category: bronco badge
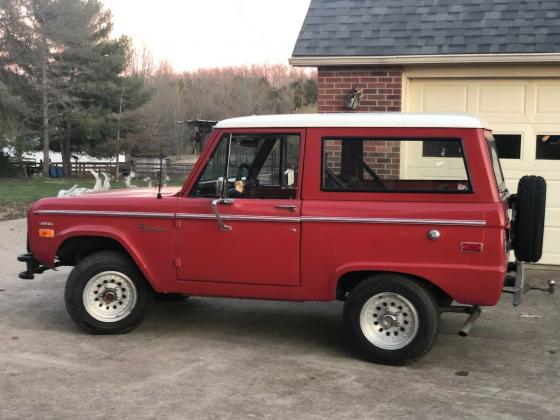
146,228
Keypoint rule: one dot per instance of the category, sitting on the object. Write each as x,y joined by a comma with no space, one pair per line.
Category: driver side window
255,166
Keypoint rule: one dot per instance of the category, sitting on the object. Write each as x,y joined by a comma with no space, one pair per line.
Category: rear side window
394,165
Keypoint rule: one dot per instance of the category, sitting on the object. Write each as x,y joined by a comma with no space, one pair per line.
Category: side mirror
290,177
221,187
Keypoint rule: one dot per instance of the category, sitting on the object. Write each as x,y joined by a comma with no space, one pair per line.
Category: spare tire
528,220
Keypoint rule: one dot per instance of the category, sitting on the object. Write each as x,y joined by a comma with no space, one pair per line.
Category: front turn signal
46,233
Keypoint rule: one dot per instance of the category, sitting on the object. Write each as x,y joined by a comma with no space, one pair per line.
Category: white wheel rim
109,296
389,321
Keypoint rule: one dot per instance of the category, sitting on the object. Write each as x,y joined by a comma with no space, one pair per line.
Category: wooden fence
141,169
82,169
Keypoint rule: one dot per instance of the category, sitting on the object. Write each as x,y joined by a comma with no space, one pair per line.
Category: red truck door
253,235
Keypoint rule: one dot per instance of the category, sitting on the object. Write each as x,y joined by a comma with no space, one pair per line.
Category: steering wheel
240,168
251,182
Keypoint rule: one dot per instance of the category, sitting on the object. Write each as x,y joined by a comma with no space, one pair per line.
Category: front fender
105,232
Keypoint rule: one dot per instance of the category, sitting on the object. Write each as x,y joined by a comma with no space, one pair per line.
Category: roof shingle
426,27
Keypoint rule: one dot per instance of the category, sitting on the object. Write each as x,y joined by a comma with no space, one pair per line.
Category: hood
129,192
110,200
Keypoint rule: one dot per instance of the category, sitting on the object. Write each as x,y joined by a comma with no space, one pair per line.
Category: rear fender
465,284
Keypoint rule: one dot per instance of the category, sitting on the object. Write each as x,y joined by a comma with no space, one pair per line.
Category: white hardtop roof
358,119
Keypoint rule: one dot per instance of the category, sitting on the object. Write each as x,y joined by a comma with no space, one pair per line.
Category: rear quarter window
394,165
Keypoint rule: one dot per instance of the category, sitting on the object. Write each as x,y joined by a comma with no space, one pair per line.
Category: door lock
434,235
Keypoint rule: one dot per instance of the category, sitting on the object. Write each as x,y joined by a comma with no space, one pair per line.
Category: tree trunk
24,170
61,146
23,166
65,149
19,155
118,147
45,101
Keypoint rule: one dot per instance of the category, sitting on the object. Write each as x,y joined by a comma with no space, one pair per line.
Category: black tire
528,223
169,297
87,269
427,315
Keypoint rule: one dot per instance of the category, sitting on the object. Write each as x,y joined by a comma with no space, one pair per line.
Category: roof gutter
314,61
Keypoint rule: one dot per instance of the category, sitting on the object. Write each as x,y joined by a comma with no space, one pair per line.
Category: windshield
496,163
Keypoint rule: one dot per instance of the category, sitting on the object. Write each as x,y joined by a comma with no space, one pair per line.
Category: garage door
524,115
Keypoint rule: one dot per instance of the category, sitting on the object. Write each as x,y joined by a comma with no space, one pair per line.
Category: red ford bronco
398,215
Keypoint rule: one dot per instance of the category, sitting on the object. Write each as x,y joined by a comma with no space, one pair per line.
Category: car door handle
221,225
291,207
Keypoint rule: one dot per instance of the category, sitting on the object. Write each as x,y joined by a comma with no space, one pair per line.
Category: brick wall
382,91
382,88
380,155
383,157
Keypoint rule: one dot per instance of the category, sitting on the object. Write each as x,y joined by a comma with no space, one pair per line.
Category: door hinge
177,262
177,223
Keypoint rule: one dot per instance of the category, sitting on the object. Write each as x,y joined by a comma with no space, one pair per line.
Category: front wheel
106,294
391,319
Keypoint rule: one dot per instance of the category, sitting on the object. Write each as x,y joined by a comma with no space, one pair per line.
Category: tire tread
529,219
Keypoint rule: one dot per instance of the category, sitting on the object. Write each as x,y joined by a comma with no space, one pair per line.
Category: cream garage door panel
501,102
528,107
551,251
415,166
547,101
550,170
437,97
441,97
527,151
552,228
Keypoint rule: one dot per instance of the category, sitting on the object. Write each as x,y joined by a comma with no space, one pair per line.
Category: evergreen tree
58,57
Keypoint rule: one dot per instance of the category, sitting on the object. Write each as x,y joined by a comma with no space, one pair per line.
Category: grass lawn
17,194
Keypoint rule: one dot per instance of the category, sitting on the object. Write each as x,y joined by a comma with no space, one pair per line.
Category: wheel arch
75,248
76,245
349,279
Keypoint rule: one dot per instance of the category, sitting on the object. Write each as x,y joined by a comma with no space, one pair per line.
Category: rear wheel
528,223
391,319
106,294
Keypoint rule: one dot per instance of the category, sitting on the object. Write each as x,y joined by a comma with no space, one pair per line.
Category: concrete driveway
218,358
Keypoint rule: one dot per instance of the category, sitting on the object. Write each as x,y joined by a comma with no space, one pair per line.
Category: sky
194,34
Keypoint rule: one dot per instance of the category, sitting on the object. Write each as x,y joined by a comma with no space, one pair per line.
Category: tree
31,32
16,90
214,94
61,53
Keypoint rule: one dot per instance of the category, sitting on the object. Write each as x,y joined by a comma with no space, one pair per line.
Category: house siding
382,88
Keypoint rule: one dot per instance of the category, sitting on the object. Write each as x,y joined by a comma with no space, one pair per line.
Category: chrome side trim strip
240,217
195,216
103,213
386,220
